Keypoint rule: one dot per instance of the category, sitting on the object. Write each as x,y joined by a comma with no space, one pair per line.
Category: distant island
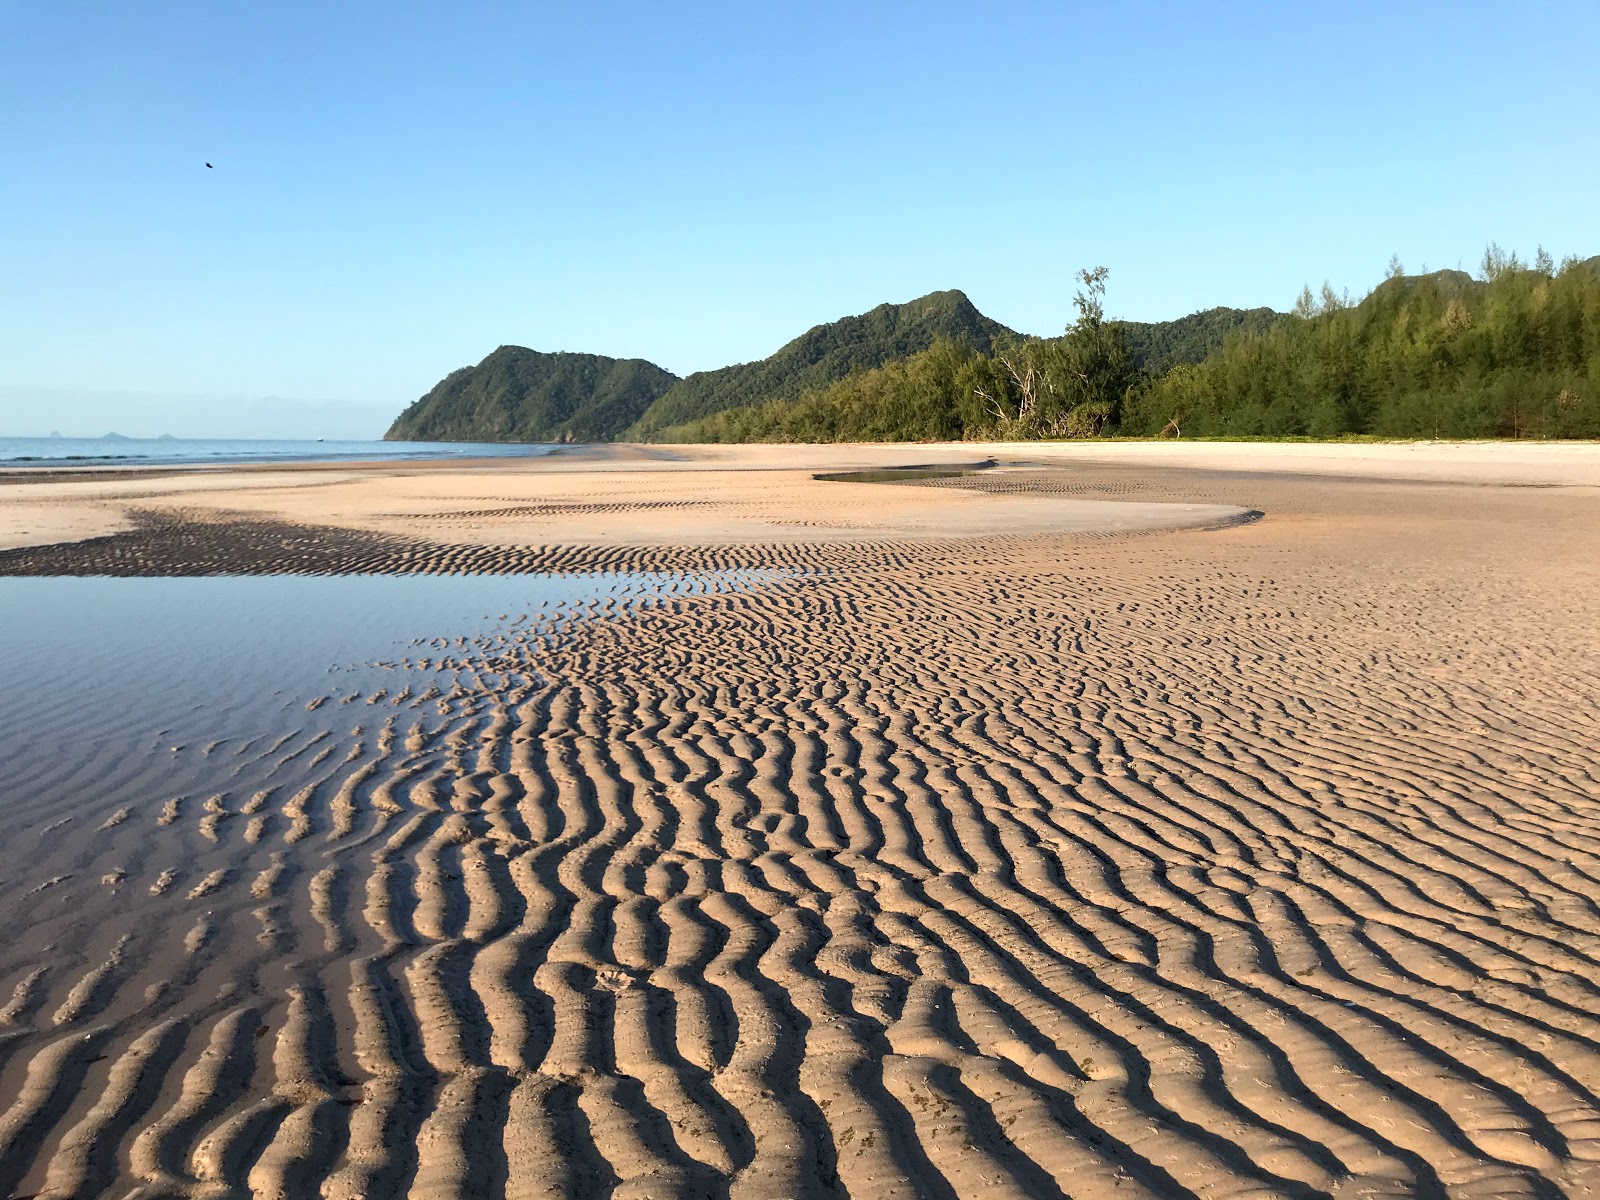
1513,352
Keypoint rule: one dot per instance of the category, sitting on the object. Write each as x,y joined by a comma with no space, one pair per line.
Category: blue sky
401,187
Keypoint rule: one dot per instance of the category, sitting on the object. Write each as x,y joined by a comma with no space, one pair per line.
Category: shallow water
899,474
214,657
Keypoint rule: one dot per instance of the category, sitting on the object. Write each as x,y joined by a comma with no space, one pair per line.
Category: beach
1135,820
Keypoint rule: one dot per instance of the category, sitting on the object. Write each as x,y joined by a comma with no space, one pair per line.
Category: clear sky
400,187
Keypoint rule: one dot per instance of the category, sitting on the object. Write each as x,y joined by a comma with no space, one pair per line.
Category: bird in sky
209,167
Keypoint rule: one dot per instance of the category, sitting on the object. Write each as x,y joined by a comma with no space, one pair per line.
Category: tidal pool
130,667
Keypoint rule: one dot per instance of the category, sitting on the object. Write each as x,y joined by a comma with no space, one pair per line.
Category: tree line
1514,352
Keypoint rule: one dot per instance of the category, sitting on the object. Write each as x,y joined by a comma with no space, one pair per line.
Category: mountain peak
518,394
823,354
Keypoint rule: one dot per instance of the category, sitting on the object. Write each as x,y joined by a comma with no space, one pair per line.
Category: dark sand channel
1261,861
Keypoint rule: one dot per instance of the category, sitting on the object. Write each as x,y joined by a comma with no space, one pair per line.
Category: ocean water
113,450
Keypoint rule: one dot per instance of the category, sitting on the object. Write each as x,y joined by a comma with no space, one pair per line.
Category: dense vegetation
521,395
1023,388
822,355
1515,353
1158,346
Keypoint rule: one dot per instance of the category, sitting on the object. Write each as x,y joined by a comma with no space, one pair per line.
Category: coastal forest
1512,351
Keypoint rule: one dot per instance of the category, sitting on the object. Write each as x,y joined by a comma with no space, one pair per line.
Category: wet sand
968,851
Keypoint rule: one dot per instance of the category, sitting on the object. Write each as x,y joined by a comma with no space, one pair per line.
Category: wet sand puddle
904,474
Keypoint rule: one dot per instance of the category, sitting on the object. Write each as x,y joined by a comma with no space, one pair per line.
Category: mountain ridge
519,394
824,354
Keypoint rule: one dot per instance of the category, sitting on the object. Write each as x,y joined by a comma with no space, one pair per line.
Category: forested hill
1158,346
822,355
522,395
1513,353
517,394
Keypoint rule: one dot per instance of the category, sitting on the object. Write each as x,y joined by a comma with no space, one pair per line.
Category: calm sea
112,451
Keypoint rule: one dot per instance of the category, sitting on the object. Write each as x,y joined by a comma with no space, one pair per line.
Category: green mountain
522,395
1158,346
823,355
953,390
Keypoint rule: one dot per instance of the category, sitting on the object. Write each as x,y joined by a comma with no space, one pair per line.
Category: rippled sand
1261,861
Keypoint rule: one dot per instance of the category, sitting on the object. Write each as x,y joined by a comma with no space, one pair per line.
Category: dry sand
627,495
961,857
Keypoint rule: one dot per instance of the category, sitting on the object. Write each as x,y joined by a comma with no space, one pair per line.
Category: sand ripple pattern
1177,867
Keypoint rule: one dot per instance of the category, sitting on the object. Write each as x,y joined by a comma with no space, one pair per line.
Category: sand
722,495
991,842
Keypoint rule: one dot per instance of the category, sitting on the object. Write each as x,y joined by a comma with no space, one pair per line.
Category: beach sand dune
1262,861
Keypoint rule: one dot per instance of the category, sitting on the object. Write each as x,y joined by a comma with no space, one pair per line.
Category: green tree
1071,386
1516,354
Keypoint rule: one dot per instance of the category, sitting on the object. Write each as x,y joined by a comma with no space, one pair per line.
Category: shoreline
703,496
